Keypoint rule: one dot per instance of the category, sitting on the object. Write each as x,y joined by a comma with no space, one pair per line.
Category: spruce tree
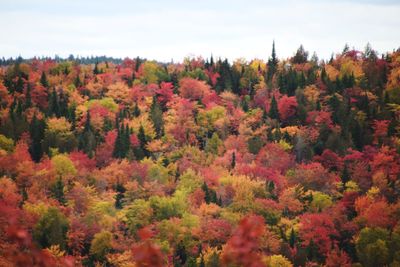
53,108
156,116
43,80
28,97
37,134
272,63
273,111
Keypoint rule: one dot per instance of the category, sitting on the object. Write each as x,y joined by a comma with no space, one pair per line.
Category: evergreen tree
96,69
87,140
28,97
77,81
345,175
120,189
233,161
58,191
273,111
272,63
36,131
53,108
143,142
180,254
156,116
207,196
43,80
292,238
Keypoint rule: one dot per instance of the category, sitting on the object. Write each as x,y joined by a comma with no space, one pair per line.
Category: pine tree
233,161
292,238
87,141
96,69
28,97
272,63
207,196
273,111
345,175
53,108
180,254
77,81
58,191
143,141
37,134
120,189
43,80
156,116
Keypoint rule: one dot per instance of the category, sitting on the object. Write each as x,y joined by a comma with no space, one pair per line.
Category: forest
201,163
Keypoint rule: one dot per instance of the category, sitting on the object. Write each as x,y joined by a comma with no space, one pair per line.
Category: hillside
284,162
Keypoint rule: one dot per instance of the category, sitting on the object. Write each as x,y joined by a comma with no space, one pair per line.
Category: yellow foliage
311,92
332,72
278,261
349,67
56,251
58,125
119,91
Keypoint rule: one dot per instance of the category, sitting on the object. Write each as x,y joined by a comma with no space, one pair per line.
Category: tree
87,140
273,110
272,63
43,80
58,190
371,246
101,245
51,229
156,116
36,131
242,248
301,56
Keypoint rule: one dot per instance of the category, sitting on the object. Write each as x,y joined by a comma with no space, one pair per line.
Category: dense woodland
284,162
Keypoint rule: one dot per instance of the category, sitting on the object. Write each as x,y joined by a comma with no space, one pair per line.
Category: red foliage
165,93
39,96
273,156
214,231
380,130
242,248
388,161
287,107
193,89
337,258
319,228
330,160
374,213
81,161
147,254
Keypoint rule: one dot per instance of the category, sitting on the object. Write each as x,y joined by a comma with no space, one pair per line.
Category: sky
172,30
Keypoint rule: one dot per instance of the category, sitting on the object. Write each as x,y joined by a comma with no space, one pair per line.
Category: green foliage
320,201
138,214
51,229
63,165
6,144
372,246
101,245
214,144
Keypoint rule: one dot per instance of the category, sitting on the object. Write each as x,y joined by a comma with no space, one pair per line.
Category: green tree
43,80
101,245
372,247
156,116
273,110
51,229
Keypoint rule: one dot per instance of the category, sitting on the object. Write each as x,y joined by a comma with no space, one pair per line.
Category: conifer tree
273,111
156,117
43,80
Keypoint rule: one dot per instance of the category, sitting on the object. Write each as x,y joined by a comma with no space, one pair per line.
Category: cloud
174,29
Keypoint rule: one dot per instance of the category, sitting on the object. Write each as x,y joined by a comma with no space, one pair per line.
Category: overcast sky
166,30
